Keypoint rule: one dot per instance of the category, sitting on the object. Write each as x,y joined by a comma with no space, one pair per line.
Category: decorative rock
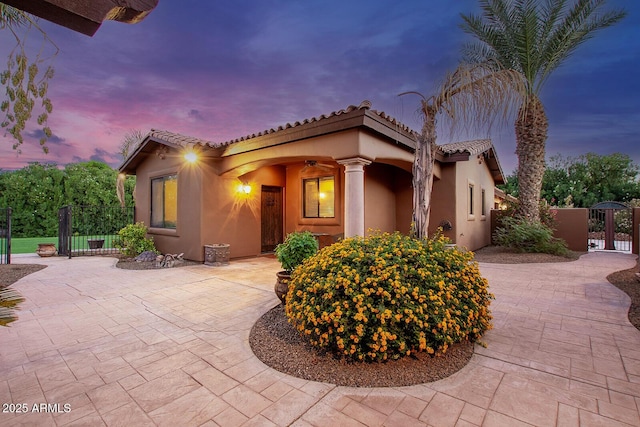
146,256
169,260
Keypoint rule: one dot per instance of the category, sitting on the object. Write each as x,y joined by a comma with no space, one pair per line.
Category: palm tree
474,94
533,37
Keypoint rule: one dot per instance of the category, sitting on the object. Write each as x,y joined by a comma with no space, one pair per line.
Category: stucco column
354,195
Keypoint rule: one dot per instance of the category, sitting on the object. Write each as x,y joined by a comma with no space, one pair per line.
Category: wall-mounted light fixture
244,188
191,156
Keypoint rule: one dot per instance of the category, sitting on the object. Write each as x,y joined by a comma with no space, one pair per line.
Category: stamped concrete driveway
105,346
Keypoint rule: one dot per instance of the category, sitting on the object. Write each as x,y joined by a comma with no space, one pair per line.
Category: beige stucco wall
388,198
187,232
403,190
210,208
230,216
294,220
473,231
379,198
443,201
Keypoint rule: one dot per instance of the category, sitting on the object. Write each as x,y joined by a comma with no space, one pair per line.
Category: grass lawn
28,245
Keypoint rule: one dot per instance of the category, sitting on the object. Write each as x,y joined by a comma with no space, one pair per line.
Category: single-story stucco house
336,175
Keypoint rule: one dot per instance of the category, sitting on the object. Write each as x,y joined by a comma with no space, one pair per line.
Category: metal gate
91,230
64,231
610,227
5,235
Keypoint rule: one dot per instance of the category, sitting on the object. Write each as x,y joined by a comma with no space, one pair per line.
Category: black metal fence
610,227
91,230
5,235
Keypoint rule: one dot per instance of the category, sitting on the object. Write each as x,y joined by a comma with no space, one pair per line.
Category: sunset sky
219,70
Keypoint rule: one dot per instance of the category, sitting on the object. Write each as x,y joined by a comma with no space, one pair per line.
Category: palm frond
573,29
477,53
9,300
479,95
550,13
12,18
534,36
526,33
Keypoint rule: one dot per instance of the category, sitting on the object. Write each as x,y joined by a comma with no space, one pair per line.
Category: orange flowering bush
387,296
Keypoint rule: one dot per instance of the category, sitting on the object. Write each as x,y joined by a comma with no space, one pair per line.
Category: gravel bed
275,342
629,283
501,255
11,273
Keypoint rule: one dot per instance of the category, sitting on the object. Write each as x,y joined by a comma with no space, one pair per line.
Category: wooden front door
271,217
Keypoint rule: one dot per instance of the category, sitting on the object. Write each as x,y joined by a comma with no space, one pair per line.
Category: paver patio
170,347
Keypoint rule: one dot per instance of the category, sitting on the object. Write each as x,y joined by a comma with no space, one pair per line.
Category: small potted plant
297,247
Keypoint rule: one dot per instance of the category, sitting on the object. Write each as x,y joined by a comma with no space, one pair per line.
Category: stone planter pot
217,254
95,243
46,249
282,284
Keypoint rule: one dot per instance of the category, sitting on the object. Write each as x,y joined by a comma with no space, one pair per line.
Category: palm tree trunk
531,136
423,174
120,188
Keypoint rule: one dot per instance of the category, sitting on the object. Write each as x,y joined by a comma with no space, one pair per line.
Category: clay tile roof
364,105
394,122
474,147
180,140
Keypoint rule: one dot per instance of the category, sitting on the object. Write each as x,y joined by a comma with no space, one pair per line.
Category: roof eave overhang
494,166
83,16
148,146
360,118
491,159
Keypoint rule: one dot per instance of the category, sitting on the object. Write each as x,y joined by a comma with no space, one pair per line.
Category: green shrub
387,296
524,236
547,216
624,218
297,247
132,240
